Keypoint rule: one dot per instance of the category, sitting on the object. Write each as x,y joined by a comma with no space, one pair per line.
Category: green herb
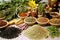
10,8
41,8
30,19
2,14
22,8
11,14
53,31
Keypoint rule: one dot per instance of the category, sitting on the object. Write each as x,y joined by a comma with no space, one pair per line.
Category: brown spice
54,15
42,19
2,23
22,14
55,21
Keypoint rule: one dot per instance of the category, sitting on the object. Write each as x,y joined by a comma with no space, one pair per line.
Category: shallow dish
54,15
42,21
3,23
3,17
55,22
22,15
30,20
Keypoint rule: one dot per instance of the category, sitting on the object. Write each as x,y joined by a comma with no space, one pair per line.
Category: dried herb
38,33
53,31
41,8
22,8
10,32
10,8
30,19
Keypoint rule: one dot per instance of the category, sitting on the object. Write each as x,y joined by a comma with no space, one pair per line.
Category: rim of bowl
4,25
29,22
21,16
43,22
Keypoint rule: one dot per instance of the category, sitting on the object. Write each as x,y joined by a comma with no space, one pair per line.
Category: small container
30,20
54,15
55,22
22,15
42,21
3,23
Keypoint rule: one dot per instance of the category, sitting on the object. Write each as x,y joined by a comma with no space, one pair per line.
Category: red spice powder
22,14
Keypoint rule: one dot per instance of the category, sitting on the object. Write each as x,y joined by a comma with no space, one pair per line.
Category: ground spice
2,23
42,19
23,14
54,15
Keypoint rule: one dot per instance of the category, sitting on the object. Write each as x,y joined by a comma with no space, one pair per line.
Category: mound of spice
55,15
2,23
30,19
42,19
22,14
55,21
10,32
38,33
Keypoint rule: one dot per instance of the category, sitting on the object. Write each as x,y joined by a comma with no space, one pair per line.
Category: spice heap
10,32
38,33
25,13
2,23
42,19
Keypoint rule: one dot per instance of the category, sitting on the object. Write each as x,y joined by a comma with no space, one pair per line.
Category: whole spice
10,32
2,23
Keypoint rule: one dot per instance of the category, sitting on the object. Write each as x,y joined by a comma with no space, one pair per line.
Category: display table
21,37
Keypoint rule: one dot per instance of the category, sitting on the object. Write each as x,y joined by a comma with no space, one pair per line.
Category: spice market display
33,19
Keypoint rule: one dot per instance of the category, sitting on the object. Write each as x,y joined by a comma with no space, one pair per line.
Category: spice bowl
42,21
22,15
54,15
3,23
3,17
55,22
30,20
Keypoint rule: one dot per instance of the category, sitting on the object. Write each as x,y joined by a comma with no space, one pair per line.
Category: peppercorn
10,32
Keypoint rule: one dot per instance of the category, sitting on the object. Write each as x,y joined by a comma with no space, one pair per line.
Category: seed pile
10,32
